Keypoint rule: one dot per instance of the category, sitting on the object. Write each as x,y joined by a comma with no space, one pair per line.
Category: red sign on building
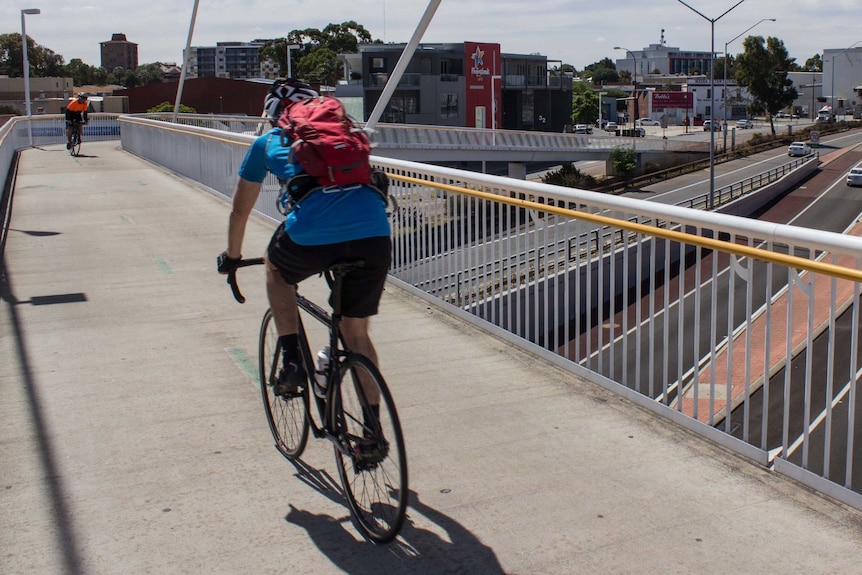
662,100
482,66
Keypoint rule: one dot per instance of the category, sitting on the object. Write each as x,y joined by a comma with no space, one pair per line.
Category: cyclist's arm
86,116
244,198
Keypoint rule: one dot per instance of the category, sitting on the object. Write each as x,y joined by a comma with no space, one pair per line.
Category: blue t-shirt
326,216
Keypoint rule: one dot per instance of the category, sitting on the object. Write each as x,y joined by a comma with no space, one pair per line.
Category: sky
577,32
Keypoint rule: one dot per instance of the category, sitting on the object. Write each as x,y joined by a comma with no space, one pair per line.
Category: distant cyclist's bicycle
75,142
355,411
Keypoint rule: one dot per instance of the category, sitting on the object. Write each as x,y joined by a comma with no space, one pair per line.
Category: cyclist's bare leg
355,332
80,132
68,134
282,301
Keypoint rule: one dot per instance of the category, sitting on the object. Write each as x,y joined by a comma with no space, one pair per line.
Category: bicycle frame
338,353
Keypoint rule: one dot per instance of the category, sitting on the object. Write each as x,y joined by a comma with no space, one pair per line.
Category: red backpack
325,142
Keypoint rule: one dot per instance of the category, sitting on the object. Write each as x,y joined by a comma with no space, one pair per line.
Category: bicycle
75,142
368,444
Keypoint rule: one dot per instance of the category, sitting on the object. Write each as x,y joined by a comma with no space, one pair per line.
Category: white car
743,124
647,122
582,129
798,149
854,176
707,124
611,127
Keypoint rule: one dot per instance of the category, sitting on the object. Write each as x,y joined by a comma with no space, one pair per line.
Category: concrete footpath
133,440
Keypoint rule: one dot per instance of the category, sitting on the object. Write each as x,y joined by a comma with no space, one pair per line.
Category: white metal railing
640,298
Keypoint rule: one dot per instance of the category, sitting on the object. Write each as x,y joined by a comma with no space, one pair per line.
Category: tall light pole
726,44
832,64
25,12
289,68
712,22
636,109
601,127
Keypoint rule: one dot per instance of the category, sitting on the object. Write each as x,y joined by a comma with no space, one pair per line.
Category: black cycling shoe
291,379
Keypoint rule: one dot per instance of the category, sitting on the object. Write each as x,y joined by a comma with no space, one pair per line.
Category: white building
842,79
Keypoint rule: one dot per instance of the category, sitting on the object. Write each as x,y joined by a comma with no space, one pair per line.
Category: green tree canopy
602,71
321,65
42,61
168,107
762,68
624,161
813,64
585,103
341,38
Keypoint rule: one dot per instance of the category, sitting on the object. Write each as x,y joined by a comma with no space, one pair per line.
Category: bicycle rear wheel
287,415
75,148
375,480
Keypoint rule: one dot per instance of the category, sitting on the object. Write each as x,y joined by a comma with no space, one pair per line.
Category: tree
341,38
602,71
147,74
168,107
585,103
762,68
624,161
42,61
321,65
813,64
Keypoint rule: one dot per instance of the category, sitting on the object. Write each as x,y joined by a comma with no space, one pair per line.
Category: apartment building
469,84
236,60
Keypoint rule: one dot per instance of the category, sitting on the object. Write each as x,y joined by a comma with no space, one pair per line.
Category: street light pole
24,12
289,68
725,77
600,110
712,22
636,109
832,64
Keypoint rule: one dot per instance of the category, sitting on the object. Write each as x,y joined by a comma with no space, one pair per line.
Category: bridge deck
133,439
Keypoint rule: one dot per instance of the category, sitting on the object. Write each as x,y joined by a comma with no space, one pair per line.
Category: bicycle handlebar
231,277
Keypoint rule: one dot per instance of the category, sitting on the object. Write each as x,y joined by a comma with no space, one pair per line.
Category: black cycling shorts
362,287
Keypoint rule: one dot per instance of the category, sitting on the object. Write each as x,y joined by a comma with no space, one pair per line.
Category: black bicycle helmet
283,92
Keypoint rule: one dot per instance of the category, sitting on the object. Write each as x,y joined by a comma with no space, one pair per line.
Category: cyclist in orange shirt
76,111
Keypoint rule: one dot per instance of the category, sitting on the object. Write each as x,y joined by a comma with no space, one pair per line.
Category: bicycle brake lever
234,287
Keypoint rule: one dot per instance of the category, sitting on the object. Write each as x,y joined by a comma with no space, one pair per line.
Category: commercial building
469,84
842,80
119,53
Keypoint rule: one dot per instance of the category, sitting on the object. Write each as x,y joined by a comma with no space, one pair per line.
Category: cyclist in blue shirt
329,224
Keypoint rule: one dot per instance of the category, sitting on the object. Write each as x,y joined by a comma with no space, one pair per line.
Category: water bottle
320,372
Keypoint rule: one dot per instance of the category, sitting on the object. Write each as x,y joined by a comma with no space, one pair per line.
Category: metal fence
744,331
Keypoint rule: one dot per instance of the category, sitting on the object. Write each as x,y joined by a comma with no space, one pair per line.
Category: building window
448,105
378,64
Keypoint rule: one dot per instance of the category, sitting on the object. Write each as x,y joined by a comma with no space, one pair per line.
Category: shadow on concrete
445,546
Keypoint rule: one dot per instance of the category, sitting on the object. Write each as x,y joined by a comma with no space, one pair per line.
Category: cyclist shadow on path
443,546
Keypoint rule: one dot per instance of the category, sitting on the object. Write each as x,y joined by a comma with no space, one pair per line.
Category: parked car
611,127
647,122
798,149
601,123
707,124
582,129
743,124
639,132
854,176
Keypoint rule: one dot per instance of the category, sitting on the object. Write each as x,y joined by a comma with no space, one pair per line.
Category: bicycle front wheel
374,470
75,148
287,415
